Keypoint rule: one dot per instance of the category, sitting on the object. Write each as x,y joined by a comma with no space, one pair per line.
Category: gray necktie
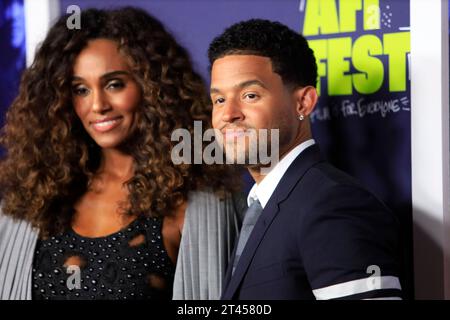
251,216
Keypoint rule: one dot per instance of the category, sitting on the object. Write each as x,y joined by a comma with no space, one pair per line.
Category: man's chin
246,162
253,167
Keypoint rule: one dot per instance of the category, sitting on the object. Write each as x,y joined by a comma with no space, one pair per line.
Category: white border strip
356,286
39,16
430,147
387,298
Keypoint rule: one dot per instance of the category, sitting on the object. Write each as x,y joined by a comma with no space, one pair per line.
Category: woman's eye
114,85
80,91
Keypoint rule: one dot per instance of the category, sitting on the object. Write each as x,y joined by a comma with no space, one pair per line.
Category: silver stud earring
301,117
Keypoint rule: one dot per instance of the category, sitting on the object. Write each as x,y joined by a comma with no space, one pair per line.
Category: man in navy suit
311,231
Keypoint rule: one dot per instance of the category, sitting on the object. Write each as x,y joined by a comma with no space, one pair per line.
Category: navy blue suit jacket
318,236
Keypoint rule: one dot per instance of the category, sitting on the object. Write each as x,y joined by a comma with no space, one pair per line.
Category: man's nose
232,112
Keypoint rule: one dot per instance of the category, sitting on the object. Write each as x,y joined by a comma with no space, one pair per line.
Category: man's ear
306,100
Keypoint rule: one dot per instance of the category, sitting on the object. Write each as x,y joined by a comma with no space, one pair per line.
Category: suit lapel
227,278
253,242
295,172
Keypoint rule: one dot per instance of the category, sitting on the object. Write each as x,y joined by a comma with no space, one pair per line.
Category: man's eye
250,96
219,100
80,91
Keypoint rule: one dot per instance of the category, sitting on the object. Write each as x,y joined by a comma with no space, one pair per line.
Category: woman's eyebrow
104,76
115,73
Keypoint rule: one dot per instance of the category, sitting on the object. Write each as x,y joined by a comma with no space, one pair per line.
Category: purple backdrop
12,51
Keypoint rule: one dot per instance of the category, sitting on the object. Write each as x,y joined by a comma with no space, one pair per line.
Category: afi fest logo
349,45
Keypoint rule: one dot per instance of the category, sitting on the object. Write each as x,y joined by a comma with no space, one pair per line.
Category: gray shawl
210,229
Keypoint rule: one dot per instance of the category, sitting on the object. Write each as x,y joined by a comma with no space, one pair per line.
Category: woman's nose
100,103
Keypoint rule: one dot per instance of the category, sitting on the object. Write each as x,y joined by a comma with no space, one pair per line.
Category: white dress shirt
263,191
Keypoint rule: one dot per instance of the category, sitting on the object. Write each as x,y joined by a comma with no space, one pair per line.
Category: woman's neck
116,164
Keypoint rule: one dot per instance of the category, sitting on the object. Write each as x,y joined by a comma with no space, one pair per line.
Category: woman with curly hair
92,205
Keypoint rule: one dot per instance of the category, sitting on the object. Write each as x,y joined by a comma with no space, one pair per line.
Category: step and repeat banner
363,119
362,47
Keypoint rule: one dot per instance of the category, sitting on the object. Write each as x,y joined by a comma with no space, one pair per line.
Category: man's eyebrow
214,90
242,85
251,83
106,75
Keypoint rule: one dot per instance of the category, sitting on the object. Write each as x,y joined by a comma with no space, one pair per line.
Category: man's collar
264,190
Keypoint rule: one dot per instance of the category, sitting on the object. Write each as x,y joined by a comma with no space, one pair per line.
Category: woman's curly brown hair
50,159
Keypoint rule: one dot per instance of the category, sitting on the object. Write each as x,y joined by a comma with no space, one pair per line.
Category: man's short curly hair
288,51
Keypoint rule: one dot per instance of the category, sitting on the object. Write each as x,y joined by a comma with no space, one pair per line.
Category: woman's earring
301,117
